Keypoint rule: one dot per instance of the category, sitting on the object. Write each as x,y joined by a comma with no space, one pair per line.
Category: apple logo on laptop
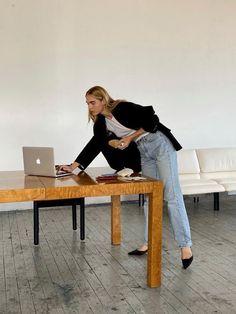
38,162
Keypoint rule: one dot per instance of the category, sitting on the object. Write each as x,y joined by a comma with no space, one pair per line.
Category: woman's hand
124,142
66,168
69,168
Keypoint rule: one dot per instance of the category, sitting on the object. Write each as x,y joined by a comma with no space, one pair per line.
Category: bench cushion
193,189
200,186
228,183
207,170
219,164
188,164
217,159
219,175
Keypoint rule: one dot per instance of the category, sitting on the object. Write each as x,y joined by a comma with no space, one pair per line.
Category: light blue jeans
159,161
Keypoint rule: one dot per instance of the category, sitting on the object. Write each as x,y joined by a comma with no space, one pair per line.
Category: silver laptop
39,161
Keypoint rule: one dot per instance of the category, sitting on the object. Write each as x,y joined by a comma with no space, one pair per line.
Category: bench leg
82,219
141,200
36,223
49,203
217,201
196,199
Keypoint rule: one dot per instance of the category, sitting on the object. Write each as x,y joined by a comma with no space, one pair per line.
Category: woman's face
95,106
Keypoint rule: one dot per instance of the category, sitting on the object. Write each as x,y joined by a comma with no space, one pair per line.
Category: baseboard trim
88,201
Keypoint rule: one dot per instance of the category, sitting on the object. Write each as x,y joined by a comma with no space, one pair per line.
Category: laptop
39,161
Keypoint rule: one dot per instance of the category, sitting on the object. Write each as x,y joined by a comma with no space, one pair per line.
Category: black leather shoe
187,262
137,252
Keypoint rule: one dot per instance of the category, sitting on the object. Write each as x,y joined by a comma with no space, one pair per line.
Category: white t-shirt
120,130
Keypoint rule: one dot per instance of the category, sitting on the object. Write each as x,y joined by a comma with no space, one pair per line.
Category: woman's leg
159,161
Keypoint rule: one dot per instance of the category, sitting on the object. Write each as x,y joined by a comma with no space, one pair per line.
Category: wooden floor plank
65,275
25,298
96,306
44,297
70,272
3,302
59,273
12,292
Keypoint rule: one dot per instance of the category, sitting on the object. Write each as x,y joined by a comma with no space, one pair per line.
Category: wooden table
16,187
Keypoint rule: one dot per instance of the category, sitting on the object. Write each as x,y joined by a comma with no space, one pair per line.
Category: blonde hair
100,93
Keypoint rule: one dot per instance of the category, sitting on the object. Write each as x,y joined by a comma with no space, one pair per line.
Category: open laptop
39,161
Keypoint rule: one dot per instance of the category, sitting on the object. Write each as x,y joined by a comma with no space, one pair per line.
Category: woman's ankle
143,247
186,252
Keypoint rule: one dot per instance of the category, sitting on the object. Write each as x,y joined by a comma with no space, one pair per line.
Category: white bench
209,170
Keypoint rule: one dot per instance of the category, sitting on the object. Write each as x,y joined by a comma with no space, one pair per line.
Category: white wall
179,56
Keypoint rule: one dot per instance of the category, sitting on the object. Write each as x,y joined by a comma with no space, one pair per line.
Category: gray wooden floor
65,275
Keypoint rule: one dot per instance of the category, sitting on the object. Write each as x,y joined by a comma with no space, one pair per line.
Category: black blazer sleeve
89,152
95,145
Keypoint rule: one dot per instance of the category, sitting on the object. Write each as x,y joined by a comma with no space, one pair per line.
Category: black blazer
132,116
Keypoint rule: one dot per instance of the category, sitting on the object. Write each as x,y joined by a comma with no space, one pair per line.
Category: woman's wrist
74,165
136,134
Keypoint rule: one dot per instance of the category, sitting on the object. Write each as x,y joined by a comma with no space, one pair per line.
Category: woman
157,146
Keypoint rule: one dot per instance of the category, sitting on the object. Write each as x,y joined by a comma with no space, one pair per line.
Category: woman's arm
125,141
91,149
69,168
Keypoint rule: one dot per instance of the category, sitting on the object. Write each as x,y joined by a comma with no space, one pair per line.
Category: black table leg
36,223
82,219
74,216
217,201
